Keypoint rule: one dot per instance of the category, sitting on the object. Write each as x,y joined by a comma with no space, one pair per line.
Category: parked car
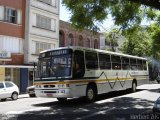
156,107
31,91
8,90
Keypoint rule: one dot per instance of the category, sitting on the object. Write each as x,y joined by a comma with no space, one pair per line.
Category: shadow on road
125,108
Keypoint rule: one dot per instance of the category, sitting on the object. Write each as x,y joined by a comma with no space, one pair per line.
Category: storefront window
8,74
31,77
16,76
13,74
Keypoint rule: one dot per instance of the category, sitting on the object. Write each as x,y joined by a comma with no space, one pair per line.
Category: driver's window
78,64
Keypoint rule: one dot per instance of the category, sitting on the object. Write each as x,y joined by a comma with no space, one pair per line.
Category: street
121,105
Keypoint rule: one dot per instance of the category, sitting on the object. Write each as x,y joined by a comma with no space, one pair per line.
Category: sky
64,13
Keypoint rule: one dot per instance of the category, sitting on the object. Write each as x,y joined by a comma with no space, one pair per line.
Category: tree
154,31
112,38
150,3
126,13
138,42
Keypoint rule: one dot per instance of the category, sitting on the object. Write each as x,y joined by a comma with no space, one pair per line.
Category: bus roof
95,50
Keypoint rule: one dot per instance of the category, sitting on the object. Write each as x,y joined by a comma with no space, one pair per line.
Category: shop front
21,75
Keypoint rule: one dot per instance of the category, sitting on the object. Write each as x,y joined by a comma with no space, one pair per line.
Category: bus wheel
62,100
90,93
134,86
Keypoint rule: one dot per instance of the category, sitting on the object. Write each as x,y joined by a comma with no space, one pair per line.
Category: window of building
91,60
49,2
80,41
13,74
43,22
61,39
10,15
70,40
96,44
7,74
16,76
106,42
10,44
88,43
42,46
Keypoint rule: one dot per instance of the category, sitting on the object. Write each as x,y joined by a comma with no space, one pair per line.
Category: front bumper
53,93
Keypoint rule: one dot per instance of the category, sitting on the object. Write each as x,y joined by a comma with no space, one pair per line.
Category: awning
5,59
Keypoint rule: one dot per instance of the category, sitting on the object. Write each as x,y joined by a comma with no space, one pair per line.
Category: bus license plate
49,95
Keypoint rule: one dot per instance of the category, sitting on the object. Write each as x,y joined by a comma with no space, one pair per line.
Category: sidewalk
23,95
153,82
149,86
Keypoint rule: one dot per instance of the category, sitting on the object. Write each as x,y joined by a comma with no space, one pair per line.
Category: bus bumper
53,93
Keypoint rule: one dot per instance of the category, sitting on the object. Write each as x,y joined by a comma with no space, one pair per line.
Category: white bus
70,72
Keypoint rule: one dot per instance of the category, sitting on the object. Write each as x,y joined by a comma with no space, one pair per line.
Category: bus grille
49,91
49,86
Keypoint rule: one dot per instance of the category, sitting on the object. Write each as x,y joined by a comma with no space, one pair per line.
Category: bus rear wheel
90,93
62,100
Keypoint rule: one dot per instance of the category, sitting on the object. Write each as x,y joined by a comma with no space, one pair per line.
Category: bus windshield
55,66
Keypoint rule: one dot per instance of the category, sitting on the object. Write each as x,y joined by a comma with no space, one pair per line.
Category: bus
70,72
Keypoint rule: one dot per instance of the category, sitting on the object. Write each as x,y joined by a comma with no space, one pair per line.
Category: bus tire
91,93
134,86
62,100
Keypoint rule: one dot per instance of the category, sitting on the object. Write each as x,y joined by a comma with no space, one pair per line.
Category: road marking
94,114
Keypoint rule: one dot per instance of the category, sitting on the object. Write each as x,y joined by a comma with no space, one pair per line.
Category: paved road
112,106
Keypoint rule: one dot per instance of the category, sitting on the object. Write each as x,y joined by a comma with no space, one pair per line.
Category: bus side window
116,62
125,63
78,64
139,64
133,64
144,65
91,60
104,61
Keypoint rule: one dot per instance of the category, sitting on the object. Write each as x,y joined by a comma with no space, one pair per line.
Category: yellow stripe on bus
86,81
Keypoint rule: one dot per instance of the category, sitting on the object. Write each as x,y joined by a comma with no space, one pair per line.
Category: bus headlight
61,85
38,86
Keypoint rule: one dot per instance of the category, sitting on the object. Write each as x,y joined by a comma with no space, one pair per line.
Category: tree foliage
90,13
138,42
154,31
112,38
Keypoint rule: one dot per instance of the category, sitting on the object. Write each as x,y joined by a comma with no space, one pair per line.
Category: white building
105,46
41,28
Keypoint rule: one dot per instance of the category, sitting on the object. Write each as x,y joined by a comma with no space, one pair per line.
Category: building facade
42,28
105,45
26,28
69,36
